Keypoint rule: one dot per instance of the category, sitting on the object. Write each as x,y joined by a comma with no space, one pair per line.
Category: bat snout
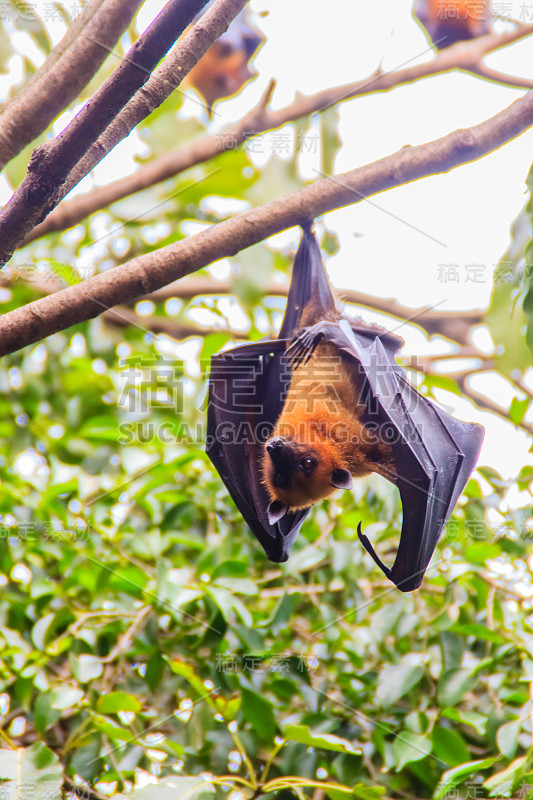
280,457
275,446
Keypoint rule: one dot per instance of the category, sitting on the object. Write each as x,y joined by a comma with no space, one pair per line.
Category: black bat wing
247,387
245,400
309,283
434,453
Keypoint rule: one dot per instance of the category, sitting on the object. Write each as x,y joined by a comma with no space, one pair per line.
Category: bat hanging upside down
292,419
225,67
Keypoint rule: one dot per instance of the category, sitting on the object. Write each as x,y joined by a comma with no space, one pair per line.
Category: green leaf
231,569
506,321
454,777
410,747
362,792
329,136
112,729
525,477
507,737
503,782
449,746
181,668
259,713
44,714
358,792
62,697
32,772
155,669
518,409
85,667
442,382
471,718
117,701
479,631
172,788
396,681
385,620
454,685
327,741
308,557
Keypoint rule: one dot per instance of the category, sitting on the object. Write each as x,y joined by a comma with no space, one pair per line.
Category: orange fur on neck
323,410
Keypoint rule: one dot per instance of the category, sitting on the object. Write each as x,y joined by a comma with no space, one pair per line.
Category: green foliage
522,266
145,633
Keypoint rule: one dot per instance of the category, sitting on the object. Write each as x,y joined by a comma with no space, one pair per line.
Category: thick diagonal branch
453,325
51,164
464,56
62,78
147,273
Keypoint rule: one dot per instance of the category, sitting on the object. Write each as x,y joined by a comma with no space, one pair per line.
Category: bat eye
307,464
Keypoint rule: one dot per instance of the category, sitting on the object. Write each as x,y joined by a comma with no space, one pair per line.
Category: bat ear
275,511
341,479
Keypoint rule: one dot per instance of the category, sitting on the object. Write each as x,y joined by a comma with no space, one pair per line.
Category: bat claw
302,348
371,552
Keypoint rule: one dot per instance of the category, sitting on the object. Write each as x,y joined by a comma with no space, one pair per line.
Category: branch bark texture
32,111
147,273
466,56
51,163
165,79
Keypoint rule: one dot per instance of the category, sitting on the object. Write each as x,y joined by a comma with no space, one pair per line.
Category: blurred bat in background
450,21
291,420
225,68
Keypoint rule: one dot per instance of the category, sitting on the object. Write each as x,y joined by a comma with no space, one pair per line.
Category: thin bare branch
502,77
53,162
465,56
427,365
62,79
122,317
71,34
165,79
147,273
484,402
450,324
453,325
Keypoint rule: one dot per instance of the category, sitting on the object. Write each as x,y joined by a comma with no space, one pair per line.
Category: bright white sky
393,246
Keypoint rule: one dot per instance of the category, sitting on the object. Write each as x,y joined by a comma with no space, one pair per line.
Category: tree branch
464,56
122,317
32,111
51,164
450,324
482,401
426,365
73,31
147,273
165,79
501,77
